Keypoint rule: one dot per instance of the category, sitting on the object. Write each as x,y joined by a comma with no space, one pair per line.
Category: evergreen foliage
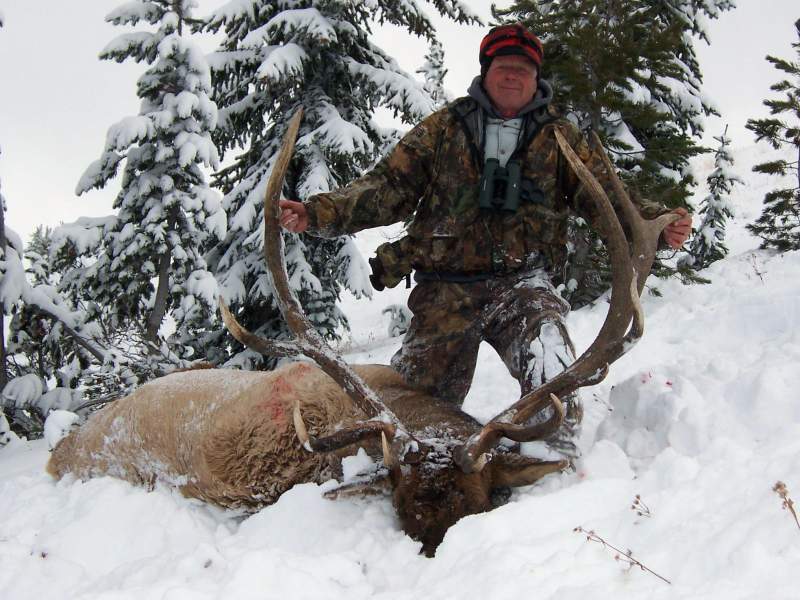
30,383
626,69
166,214
434,72
708,244
36,343
779,223
275,57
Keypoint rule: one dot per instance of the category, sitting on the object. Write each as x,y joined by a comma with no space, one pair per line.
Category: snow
340,134
623,134
58,399
6,435
12,282
128,131
58,425
308,20
700,420
22,391
399,88
131,13
282,61
127,41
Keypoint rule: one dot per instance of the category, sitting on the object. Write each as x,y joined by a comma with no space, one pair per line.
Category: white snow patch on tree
58,424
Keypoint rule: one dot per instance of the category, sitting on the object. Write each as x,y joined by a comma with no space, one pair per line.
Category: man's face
510,83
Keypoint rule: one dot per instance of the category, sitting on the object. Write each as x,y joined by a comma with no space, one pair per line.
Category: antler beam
307,340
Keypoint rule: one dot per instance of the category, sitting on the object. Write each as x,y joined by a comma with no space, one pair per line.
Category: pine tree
29,342
165,212
627,70
37,340
779,223
434,72
26,399
708,244
275,57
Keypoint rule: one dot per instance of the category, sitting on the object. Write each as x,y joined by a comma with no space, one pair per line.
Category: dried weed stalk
640,508
788,504
624,556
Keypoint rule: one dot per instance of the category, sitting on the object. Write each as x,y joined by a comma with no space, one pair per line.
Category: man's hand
293,216
675,234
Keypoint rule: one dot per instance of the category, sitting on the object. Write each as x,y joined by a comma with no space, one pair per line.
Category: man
486,194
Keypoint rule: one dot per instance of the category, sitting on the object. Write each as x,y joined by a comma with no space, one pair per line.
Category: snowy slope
700,419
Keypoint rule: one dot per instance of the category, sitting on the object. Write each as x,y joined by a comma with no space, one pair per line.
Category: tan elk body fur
222,436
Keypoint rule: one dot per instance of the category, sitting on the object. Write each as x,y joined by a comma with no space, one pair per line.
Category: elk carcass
240,439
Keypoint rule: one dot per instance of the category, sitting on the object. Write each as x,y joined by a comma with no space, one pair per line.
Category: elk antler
307,340
630,269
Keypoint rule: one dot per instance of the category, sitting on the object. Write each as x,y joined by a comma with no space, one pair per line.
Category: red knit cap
510,39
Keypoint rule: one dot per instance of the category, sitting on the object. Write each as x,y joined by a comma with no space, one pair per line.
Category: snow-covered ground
700,420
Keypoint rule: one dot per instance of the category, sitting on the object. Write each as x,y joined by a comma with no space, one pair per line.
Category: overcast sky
57,100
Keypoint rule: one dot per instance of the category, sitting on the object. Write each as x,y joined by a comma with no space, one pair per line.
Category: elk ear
514,470
374,486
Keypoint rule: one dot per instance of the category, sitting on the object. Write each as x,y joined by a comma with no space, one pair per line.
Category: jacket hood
543,97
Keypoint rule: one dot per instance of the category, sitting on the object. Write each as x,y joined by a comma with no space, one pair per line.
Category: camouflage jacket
431,179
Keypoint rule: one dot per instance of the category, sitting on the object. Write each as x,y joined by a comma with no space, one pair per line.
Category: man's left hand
675,234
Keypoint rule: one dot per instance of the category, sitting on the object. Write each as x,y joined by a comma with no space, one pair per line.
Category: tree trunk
177,8
162,292
164,262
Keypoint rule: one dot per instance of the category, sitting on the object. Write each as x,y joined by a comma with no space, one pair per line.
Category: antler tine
344,437
614,338
261,345
645,232
307,339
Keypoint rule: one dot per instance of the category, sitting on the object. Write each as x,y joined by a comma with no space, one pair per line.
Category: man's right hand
294,217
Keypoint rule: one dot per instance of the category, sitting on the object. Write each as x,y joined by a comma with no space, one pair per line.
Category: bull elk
231,437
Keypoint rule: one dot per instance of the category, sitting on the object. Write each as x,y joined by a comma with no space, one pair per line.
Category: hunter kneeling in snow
488,194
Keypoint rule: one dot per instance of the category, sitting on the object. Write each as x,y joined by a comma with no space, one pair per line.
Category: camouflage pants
521,316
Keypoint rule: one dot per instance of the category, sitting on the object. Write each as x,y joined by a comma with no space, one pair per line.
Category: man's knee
545,352
436,370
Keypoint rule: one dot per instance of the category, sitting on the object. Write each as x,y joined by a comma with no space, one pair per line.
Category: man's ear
514,470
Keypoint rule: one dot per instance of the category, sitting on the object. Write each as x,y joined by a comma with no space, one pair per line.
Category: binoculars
500,186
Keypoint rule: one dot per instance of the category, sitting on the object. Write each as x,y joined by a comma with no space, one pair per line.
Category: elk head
444,465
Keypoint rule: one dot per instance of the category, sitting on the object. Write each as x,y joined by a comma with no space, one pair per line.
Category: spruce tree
779,223
28,389
708,244
165,211
277,56
434,71
30,344
627,70
38,341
